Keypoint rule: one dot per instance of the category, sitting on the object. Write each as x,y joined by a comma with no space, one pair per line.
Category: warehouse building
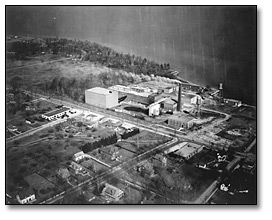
185,150
101,97
181,121
55,113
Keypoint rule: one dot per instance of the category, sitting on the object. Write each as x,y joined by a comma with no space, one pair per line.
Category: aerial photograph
138,105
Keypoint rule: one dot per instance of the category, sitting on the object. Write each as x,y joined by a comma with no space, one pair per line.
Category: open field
126,149
46,69
44,189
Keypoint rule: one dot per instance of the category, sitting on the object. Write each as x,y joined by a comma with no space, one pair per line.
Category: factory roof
100,90
136,90
181,117
184,149
170,101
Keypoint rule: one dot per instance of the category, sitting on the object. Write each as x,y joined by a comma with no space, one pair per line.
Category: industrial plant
155,101
154,120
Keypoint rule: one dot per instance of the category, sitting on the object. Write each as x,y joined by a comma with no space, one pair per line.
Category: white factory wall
112,99
154,110
101,100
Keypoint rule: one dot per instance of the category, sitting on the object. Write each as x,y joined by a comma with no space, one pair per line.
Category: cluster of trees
102,142
88,51
128,134
20,50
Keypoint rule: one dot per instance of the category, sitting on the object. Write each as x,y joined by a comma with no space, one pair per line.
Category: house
26,196
78,169
112,193
12,128
159,160
30,121
146,167
79,156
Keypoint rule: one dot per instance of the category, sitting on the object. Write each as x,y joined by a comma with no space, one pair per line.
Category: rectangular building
101,97
189,99
185,150
169,105
55,113
181,121
154,109
112,193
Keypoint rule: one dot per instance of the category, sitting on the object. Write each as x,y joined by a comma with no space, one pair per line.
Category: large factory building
101,97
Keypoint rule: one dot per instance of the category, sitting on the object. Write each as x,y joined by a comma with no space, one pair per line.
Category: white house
26,196
79,156
112,193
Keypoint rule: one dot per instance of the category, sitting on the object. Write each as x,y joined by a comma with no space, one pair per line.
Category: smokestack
179,98
221,91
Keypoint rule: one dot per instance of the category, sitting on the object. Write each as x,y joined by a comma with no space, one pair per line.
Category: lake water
207,45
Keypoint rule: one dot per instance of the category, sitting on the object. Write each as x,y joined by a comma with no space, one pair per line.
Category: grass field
46,69
44,189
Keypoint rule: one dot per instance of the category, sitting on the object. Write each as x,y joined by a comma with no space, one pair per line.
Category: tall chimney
179,98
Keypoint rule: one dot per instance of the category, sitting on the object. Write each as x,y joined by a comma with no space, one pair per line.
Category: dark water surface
207,44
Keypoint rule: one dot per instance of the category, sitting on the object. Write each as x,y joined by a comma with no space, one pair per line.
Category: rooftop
78,154
57,111
187,149
170,101
100,90
112,190
131,90
25,193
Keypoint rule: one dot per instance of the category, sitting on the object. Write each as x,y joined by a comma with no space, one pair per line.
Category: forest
122,68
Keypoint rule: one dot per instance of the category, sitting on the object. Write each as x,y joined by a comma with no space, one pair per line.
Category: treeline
102,142
74,88
128,134
88,51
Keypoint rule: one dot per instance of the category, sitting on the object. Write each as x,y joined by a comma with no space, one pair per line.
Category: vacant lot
45,155
44,189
